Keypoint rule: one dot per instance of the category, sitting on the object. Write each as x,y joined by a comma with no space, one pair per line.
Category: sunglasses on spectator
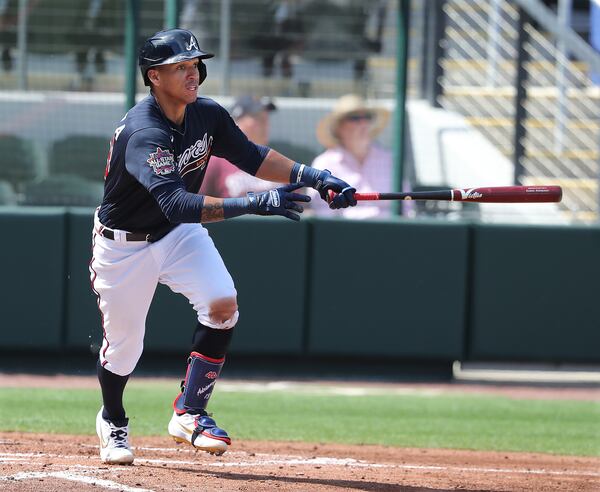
359,117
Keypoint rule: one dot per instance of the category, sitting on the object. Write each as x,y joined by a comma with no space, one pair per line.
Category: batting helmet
171,46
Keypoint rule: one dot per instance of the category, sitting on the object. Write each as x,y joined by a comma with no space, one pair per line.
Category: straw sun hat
345,106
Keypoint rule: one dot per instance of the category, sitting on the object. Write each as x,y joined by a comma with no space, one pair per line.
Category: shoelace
119,435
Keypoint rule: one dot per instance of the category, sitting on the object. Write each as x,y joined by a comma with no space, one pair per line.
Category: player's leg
209,346
198,272
124,277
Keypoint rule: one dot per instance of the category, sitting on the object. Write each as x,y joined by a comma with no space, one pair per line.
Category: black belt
129,236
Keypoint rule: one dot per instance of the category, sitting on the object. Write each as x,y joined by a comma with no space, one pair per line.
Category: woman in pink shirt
348,134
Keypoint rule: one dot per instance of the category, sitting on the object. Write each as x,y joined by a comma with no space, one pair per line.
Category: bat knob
330,196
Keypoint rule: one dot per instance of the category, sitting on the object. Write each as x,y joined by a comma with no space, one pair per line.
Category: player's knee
222,310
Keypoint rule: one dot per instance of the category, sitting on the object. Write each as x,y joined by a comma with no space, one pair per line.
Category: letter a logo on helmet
192,44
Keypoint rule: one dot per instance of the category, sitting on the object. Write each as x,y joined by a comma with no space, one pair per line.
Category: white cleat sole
202,443
117,460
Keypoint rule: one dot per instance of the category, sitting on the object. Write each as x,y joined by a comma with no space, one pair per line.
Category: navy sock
113,387
211,342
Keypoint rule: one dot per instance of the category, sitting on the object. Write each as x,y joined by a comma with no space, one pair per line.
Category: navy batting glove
323,181
279,201
344,193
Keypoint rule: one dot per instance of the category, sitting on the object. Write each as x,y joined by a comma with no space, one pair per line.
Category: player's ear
154,77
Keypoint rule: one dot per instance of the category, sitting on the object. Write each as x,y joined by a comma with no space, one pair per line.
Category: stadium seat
7,194
80,155
17,160
63,190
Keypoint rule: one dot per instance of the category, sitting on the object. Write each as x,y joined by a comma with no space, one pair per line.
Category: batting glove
344,193
279,201
324,182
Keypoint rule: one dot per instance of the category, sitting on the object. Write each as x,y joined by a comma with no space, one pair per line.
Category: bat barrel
509,194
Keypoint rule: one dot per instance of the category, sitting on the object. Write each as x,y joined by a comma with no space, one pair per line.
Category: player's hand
279,201
344,193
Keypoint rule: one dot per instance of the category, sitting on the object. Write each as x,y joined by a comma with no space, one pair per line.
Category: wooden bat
491,194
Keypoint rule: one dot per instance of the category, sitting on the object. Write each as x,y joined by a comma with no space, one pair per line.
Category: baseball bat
491,194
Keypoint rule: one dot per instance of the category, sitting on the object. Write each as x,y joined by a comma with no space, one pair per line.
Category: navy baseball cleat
200,431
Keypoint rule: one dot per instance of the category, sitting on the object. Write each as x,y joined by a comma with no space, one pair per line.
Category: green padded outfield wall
394,288
535,293
32,262
532,290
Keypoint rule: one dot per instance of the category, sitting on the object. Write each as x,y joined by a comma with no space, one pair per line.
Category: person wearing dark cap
148,230
223,179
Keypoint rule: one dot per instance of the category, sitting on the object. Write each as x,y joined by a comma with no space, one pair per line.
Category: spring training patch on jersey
162,161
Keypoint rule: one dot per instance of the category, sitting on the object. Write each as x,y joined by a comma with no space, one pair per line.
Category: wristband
234,207
302,173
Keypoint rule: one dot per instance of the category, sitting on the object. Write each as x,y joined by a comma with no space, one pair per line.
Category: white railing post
224,47
22,44
492,51
562,59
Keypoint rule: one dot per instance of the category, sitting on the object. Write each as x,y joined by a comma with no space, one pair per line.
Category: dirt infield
35,462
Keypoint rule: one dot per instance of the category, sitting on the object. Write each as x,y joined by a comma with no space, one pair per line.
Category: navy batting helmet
171,46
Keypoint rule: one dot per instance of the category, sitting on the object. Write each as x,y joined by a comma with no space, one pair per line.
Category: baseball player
148,230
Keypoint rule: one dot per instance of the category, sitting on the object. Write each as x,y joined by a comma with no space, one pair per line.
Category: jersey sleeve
150,159
232,144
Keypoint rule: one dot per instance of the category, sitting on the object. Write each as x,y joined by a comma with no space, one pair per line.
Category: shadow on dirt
269,481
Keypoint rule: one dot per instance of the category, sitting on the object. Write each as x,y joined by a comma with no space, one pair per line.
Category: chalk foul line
272,460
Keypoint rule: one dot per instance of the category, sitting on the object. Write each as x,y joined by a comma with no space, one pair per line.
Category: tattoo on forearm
212,212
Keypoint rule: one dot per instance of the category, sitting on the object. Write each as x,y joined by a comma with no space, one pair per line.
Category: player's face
179,80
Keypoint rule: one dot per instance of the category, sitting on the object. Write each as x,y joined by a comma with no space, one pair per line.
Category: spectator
348,134
86,38
223,179
8,35
279,37
352,30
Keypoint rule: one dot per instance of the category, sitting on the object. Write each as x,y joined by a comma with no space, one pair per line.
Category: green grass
462,421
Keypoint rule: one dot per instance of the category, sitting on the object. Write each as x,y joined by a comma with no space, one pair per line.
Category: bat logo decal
470,194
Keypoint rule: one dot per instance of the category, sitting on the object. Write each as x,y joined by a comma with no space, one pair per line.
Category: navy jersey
154,168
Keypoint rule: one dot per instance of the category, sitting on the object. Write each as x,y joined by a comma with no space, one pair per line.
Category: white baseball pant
124,276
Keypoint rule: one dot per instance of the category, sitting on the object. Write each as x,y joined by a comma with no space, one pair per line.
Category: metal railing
521,75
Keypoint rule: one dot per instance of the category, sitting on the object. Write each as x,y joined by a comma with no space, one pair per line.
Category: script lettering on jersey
195,157
162,161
